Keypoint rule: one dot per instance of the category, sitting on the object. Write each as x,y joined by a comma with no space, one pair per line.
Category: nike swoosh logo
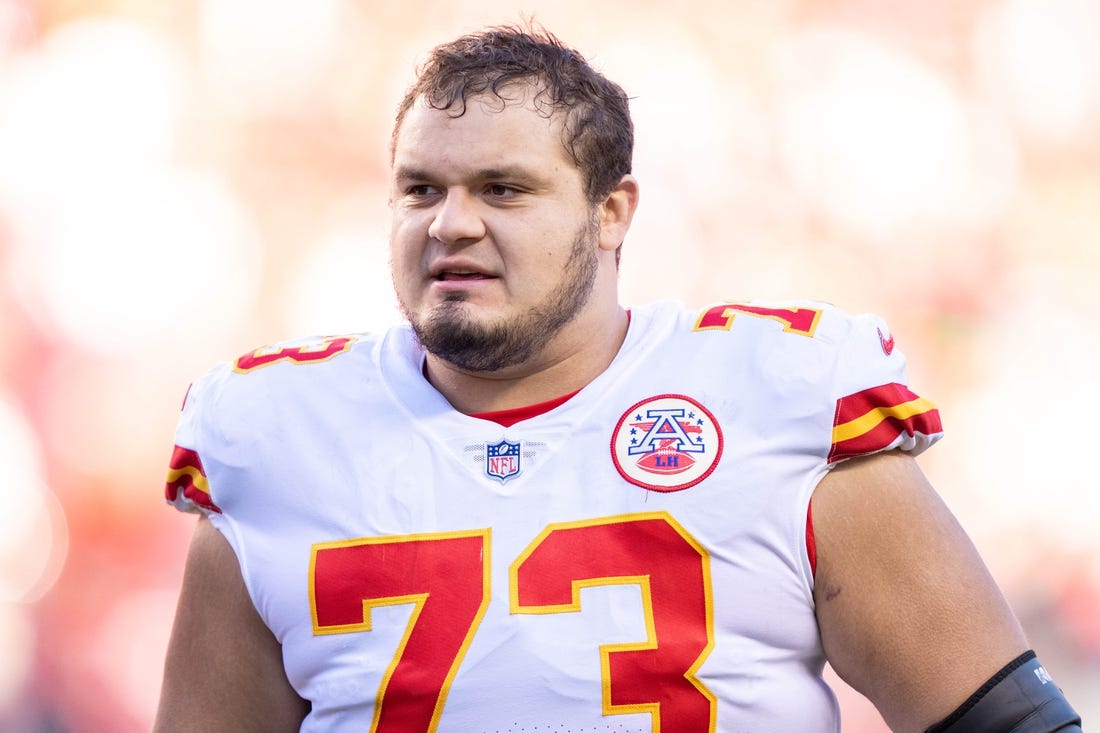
886,341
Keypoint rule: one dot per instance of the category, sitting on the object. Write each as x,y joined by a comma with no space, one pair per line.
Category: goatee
450,334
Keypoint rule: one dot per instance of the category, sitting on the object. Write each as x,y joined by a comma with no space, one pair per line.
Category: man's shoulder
793,347
304,351
289,367
811,324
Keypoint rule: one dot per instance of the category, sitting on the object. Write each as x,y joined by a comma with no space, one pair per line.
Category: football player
533,509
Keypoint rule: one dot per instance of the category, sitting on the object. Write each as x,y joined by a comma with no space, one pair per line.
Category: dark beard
478,347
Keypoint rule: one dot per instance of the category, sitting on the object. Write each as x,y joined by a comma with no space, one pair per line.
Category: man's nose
457,219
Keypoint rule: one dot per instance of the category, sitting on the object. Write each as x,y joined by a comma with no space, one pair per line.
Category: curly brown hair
598,132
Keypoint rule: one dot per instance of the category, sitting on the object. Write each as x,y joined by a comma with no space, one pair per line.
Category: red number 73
446,578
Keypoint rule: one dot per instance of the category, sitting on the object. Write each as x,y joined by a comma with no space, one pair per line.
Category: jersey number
321,350
802,321
446,577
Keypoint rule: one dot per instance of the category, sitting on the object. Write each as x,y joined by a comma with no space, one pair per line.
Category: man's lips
461,276
460,281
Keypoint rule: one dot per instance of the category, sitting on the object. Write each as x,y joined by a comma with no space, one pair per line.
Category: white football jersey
633,559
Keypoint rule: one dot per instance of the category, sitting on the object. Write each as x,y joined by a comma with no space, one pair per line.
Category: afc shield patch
666,443
502,460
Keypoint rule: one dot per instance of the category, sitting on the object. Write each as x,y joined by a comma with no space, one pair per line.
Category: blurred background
184,180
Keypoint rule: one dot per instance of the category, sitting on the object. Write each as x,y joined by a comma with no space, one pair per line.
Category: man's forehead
497,120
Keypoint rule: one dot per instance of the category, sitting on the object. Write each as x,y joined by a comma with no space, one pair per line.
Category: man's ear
616,213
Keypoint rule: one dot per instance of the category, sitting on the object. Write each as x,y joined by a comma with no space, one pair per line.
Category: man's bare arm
909,614
224,668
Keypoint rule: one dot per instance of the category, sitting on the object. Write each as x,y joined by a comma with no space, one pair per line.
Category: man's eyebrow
406,173
506,172
512,173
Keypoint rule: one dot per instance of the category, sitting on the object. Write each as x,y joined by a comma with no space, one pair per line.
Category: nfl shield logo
502,460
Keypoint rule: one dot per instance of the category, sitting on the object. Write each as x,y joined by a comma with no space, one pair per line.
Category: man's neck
567,363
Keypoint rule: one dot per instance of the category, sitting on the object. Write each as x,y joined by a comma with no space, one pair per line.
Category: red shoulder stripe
878,418
186,474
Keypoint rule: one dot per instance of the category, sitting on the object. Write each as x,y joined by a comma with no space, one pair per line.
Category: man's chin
461,313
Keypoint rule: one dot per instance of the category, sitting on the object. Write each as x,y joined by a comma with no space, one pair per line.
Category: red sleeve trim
187,476
811,543
878,418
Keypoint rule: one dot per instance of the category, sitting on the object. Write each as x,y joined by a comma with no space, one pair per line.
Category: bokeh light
112,269
17,638
94,101
33,535
261,57
1041,60
876,139
343,283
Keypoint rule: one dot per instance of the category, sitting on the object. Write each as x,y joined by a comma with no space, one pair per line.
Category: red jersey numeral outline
306,354
446,576
802,321
656,676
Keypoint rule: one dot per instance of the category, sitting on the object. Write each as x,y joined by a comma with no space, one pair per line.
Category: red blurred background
183,181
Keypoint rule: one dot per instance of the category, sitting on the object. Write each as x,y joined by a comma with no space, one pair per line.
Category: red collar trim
508,418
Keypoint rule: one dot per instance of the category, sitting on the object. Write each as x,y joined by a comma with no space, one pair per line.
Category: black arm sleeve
1021,698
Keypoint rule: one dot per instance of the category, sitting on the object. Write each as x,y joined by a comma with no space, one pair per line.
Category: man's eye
420,189
500,190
